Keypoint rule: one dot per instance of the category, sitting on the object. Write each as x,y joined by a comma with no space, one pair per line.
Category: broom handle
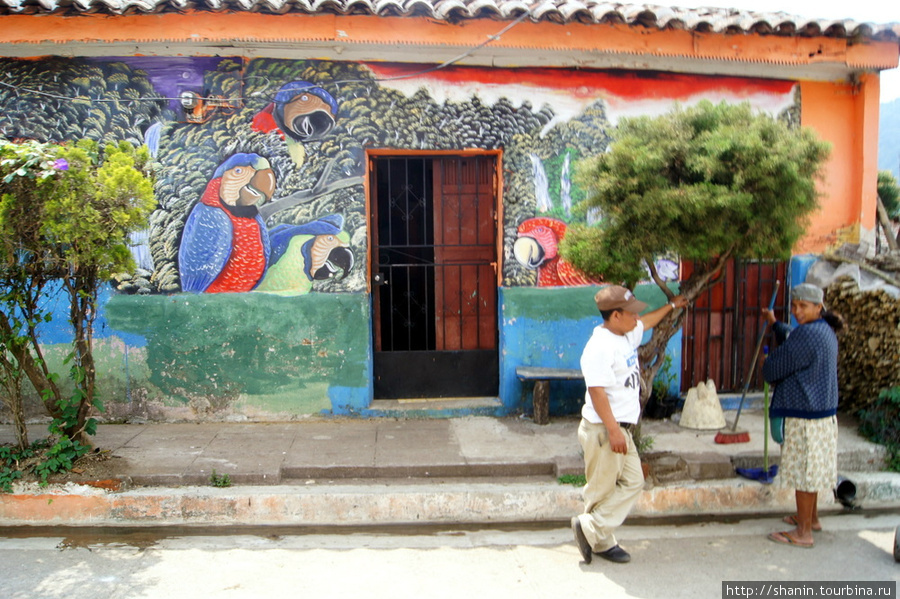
766,420
759,342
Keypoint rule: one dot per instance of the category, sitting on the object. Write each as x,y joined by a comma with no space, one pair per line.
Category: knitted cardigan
804,371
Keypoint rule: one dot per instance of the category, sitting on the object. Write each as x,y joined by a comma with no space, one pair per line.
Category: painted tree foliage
709,183
65,215
70,99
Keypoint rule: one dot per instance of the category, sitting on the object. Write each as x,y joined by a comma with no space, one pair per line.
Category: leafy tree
709,183
65,215
889,192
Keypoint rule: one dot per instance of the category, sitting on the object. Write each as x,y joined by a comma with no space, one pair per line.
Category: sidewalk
400,471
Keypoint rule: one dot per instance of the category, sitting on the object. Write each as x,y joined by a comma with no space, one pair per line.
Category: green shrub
577,480
9,471
880,422
219,480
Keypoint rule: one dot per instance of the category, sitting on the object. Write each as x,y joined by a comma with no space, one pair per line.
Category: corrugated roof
702,20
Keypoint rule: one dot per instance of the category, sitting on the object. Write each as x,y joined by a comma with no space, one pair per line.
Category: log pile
869,345
888,262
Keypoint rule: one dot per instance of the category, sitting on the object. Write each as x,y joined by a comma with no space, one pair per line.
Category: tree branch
307,195
654,274
862,266
885,223
708,278
35,370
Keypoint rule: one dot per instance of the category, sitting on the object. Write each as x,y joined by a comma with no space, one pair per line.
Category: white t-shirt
611,361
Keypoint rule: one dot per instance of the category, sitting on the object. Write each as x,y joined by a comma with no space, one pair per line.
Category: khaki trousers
614,482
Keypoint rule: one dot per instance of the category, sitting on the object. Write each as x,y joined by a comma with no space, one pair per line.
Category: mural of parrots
225,245
301,254
537,247
303,112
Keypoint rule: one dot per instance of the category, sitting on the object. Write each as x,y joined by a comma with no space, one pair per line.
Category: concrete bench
541,378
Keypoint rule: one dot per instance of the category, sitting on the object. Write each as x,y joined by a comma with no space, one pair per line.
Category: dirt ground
97,469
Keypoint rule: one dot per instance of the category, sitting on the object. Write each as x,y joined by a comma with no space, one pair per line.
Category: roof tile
717,20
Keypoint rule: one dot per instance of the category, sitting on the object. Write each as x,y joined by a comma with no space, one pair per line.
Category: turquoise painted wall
549,326
269,357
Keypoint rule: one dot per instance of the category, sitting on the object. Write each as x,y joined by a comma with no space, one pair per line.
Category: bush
662,403
880,422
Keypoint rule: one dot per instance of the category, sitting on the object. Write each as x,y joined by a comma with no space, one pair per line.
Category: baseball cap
616,297
808,293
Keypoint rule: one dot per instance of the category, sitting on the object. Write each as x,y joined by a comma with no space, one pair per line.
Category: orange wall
229,27
846,116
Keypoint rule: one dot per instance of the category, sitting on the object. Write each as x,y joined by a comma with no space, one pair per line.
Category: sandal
786,538
792,520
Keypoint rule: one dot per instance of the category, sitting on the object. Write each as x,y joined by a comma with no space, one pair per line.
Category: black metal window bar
407,267
405,254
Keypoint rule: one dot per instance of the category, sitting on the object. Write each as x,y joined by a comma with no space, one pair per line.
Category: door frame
371,207
388,153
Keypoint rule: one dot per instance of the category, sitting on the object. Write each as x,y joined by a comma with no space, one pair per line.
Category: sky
872,11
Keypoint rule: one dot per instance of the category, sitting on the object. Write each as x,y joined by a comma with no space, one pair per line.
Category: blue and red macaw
225,244
302,112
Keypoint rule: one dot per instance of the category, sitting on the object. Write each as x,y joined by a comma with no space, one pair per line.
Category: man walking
612,407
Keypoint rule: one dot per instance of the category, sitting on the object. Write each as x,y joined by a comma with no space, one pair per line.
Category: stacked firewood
888,262
869,356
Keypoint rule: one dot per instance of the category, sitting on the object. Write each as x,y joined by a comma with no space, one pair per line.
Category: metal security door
723,325
434,276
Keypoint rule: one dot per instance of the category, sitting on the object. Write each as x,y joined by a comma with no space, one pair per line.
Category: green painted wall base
256,355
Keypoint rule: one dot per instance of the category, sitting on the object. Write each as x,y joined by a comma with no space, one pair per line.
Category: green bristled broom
765,475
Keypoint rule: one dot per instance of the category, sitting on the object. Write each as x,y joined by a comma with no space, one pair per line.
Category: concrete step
423,471
447,407
401,502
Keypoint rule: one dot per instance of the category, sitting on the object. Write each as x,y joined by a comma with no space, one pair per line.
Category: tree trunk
886,224
12,384
82,302
652,353
34,369
18,416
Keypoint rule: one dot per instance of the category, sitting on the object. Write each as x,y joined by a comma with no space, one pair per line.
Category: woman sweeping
804,371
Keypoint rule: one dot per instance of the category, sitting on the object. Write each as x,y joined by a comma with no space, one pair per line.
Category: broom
741,436
766,422
766,474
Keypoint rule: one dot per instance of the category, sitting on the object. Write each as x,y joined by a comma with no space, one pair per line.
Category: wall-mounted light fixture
199,109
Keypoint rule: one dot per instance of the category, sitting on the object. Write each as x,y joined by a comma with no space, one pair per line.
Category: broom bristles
726,437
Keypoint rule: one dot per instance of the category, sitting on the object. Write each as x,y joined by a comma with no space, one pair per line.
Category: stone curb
376,503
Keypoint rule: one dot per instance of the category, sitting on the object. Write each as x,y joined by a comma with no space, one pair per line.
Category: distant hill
889,138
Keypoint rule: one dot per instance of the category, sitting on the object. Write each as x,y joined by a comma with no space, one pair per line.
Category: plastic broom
734,435
766,474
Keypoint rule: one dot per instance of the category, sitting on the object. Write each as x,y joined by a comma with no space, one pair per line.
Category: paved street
670,561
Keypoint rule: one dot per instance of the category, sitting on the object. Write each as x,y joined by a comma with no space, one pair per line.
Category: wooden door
434,276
